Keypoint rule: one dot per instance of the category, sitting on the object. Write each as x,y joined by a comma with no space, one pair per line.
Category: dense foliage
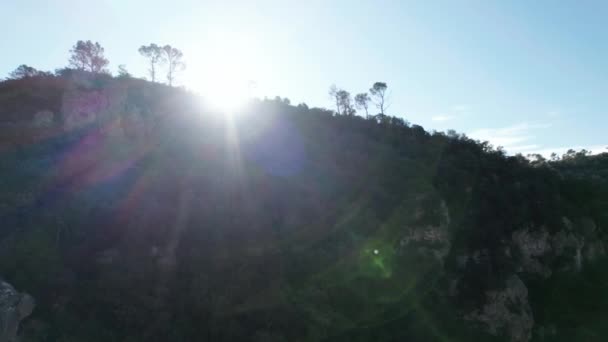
137,214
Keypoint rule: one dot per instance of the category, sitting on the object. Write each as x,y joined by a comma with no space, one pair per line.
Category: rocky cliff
132,212
14,307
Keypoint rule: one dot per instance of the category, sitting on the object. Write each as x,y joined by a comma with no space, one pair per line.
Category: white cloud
461,108
515,138
452,113
520,138
442,118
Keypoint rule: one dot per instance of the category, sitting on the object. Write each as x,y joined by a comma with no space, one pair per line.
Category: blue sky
528,75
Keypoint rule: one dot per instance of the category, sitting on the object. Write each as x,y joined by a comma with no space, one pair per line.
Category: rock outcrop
507,311
532,246
534,252
14,307
430,239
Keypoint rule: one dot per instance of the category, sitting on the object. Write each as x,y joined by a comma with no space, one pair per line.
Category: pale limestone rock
43,118
532,246
14,307
507,311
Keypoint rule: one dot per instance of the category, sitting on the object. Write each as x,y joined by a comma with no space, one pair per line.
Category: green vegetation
135,213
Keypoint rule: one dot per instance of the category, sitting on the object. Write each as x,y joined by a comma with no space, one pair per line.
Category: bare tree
155,55
333,94
344,104
380,98
174,62
88,56
362,102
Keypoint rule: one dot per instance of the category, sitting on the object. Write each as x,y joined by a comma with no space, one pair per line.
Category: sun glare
227,80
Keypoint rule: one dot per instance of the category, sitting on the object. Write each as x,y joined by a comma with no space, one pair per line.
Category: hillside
132,212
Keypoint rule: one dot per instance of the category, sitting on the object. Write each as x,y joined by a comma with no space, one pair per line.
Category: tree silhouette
344,105
88,56
378,91
24,71
333,94
123,72
174,62
155,55
362,102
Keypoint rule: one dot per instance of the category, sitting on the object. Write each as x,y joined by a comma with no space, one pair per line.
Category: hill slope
130,212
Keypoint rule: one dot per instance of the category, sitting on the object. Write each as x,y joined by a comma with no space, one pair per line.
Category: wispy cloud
520,138
442,118
460,108
514,138
524,148
453,112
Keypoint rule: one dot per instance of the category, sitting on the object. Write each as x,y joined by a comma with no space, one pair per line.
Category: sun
226,72
226,94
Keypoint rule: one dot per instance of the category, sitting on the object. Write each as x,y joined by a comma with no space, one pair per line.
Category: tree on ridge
89,56
380,98
156,57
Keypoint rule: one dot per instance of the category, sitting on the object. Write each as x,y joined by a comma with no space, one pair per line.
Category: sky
531,76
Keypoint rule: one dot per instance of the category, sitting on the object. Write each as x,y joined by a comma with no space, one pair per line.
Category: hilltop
131,211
